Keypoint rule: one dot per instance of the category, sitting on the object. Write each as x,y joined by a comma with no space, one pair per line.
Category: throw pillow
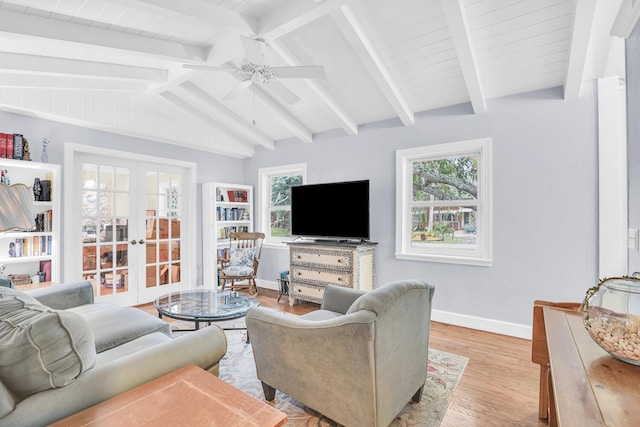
241,257
40,348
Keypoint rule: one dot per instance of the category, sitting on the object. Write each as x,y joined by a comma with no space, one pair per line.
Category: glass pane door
106,211
163,196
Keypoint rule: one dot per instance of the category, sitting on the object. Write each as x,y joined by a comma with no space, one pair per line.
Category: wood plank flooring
499,386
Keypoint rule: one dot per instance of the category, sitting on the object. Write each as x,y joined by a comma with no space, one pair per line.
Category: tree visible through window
280,212
275,199
444,209
451,180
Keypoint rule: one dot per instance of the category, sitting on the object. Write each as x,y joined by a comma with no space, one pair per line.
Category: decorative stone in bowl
612,317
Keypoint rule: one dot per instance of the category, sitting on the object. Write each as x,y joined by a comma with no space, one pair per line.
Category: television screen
337,210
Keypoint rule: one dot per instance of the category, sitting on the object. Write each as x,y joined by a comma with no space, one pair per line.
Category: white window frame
481,255
264,191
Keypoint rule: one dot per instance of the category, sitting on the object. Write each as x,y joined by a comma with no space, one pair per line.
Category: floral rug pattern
237,368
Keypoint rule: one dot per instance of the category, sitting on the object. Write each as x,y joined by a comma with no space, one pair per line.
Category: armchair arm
339,299
65,295
203,348
315,361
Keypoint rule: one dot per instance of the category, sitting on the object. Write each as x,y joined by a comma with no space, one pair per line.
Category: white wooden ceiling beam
35,27
340,115
234,144
29,64
461,35
221,114
17,79
198,13
583,14
626,19
283,116
364,49
294,14
224,50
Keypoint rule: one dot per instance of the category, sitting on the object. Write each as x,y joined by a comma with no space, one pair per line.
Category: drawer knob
299,257
339,260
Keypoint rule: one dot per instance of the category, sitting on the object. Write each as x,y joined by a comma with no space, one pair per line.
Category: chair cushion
238,271
241,257
40,348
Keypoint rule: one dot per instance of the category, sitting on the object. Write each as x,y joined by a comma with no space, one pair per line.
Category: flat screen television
335,211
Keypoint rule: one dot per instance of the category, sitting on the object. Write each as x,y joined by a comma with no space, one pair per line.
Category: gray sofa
358,360
61,353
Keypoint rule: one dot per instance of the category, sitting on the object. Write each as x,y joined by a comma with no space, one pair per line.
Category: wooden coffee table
189,396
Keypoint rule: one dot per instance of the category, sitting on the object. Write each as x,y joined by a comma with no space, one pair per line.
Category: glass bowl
612,317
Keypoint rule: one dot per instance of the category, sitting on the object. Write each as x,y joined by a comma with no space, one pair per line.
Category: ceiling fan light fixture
257,73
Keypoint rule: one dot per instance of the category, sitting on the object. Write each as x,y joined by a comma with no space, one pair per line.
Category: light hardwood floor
499,386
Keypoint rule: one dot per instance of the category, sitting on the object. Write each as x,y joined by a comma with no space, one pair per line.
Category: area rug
237,368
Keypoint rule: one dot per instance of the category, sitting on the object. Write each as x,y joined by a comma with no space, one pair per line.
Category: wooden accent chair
540,353
240,261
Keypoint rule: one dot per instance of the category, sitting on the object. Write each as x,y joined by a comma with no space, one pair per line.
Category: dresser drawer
313,293
322,276
323,258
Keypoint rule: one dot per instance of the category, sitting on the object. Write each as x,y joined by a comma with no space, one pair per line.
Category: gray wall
544,191
633,137
210,167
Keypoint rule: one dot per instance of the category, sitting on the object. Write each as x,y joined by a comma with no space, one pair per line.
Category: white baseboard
482,324
267,284
457,319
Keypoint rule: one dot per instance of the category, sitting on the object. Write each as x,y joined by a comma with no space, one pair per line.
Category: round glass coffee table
204,305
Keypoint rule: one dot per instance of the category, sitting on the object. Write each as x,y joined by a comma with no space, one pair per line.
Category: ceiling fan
254,70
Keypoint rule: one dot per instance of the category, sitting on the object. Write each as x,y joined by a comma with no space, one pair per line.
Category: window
275,199
443,202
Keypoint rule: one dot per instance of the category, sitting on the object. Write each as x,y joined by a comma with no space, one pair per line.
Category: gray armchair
358,360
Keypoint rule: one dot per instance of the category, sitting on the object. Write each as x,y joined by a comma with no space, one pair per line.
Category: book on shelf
45,267
230,214
3,145
9,139
240,196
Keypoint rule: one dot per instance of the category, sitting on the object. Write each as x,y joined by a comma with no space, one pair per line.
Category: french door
131,231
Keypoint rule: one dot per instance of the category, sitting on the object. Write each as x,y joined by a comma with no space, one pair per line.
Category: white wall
210,167
633,137
545,202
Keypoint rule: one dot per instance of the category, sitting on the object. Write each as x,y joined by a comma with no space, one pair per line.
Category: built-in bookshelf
33,256
226,208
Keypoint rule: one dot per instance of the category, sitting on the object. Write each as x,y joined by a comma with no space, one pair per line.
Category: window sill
446,259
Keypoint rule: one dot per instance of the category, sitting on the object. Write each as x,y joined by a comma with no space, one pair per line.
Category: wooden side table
586,385
189,396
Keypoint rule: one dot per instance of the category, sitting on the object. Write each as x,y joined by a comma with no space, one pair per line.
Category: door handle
133,242
141,241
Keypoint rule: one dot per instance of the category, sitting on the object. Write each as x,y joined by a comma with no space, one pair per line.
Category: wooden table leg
543,404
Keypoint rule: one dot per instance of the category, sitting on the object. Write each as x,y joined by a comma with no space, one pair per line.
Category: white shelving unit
225,208
37,246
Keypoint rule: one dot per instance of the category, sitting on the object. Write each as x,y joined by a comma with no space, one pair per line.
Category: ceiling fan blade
253,49
282,92
301,72
209,68
237,89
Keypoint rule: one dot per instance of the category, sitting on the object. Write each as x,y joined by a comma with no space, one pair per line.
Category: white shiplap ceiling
118,65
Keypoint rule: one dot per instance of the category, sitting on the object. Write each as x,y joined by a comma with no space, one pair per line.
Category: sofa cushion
40,348
6,401
113,325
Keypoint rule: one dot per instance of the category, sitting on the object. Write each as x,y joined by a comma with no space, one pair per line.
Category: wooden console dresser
581,384
314,265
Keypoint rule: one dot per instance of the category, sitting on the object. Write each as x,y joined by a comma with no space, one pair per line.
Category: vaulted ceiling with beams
135,67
